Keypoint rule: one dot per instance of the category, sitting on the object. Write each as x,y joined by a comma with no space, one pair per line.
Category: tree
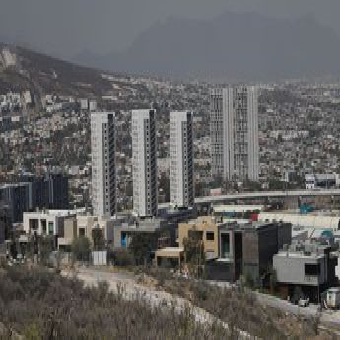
252,185
141,245
248,279
98,239
275,184
81,248
119,257
194,253
46,246
217,182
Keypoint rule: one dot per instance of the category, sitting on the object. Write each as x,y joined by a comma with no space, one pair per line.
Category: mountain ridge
44,73
234,46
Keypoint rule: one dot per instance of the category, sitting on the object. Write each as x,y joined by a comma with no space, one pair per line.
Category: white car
303,302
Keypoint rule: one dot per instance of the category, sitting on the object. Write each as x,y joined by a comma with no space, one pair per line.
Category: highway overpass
280,195
268,194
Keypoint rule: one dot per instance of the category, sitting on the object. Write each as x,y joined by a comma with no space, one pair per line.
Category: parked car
303,302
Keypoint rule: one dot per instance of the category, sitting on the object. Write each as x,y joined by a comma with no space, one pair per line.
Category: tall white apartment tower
103,163
234,133
181,159
144,162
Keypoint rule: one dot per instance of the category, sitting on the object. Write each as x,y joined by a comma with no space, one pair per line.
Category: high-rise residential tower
144,162
103,163
181,159
234,133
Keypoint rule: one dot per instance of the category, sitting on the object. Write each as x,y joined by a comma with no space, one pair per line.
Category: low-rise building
124,231
321,181
169,257
46,222
234,249
310,267
206,229
249,248
84,225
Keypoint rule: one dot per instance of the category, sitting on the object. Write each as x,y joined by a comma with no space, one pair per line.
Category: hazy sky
66,27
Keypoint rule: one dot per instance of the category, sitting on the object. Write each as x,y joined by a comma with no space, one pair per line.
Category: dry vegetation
238,308
38,304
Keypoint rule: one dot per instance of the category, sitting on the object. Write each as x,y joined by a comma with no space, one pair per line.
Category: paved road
312,310
326,316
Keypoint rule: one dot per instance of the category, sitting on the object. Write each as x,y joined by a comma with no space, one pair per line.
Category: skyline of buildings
235,124
234,133
103,163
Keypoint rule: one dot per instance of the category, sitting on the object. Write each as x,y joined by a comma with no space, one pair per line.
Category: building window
210,236
44,226
81,231
50,228
312,269
225,245
33,223
195,234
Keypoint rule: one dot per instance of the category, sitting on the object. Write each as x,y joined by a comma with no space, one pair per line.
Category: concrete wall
290,268
250,247
86,222
70,229
258,248
314,221
117,236
108,229
219,271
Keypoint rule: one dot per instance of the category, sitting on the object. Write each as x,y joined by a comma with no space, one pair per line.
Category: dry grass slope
38,304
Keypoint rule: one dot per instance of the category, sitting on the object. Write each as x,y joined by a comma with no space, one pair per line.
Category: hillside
21,69
40,304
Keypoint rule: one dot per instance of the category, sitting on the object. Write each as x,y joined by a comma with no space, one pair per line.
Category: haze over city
170,169
111,35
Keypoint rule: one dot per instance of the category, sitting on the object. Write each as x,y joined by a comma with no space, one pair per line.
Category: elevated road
268,194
